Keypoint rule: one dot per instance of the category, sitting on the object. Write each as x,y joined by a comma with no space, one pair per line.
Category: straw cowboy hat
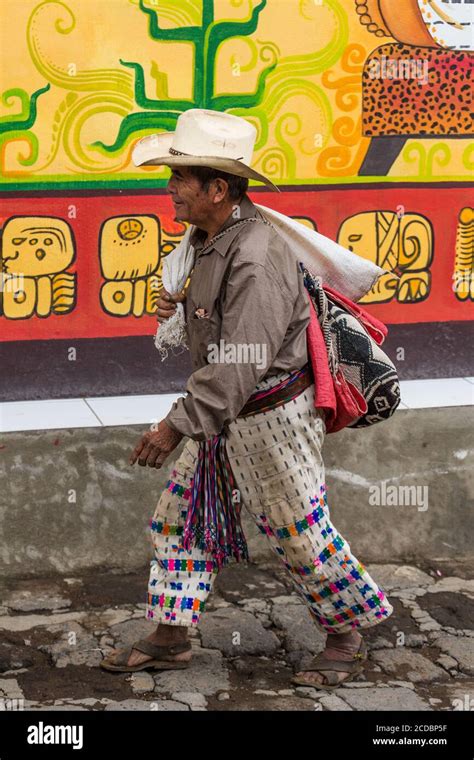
203,138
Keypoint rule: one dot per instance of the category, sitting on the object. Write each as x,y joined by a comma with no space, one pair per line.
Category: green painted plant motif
162,114
289,108
18,125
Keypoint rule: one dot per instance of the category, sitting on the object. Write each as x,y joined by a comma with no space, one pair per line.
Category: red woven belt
296,384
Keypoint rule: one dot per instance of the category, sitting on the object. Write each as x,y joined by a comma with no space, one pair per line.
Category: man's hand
166,305
155,445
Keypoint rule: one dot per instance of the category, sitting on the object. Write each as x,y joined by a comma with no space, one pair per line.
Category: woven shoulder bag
365,379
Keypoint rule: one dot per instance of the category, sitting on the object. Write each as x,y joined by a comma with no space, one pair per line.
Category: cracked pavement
254,634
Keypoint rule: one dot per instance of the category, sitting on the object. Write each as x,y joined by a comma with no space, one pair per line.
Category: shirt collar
245,210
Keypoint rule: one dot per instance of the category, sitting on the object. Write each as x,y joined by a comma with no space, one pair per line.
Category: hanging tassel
213,520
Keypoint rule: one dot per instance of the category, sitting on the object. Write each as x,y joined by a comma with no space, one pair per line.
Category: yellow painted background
75,46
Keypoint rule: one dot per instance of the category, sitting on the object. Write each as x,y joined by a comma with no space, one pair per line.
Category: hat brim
145,154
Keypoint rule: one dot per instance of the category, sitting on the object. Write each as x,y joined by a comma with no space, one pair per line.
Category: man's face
191,203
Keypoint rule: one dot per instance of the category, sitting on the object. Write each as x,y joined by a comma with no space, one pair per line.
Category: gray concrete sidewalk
70,502
255,632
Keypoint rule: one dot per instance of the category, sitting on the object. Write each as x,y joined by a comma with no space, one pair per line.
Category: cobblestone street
252,637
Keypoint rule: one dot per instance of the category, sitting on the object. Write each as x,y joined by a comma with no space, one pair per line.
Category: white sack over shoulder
341,269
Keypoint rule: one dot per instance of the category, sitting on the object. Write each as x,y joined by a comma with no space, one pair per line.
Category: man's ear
220,191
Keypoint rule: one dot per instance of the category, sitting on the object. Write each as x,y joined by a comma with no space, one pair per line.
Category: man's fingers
155,452
138,448
160,460
135,453
166,305
165,308
155,457
165,313
178,297
142,459
155,446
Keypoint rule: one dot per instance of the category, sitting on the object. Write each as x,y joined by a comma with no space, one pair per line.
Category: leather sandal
162,657
329,668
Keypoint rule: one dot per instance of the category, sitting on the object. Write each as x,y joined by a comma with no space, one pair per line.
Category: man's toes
311,677
315,677
136,658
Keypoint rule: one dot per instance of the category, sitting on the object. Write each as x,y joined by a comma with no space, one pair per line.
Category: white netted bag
177,267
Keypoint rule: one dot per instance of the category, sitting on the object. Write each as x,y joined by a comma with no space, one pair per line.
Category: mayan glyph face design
401,242
129,247
129,252
36,245
36,252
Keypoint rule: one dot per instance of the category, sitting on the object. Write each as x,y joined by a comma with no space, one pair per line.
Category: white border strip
109,411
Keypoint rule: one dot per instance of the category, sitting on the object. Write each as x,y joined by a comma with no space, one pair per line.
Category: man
246,294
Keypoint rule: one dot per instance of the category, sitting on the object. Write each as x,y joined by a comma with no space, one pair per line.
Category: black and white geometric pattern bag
353,351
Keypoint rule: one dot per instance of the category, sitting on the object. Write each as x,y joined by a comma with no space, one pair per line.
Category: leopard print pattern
408,106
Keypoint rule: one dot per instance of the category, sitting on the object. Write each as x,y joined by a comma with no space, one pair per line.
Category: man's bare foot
340,646
163,635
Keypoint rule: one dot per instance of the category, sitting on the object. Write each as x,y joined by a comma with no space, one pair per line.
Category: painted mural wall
364,116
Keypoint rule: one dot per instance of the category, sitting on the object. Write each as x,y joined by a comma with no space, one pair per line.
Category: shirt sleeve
256,314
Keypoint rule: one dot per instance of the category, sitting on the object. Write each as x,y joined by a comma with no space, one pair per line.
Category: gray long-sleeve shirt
252,293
